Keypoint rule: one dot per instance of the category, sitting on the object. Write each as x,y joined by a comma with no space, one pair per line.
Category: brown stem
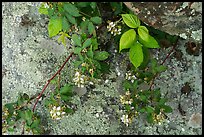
51,79
152,82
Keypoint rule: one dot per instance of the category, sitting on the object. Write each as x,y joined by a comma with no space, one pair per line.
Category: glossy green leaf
151,43
142,110
65,24
136,54
127,39
96,20
54,26
101,55
91,28
143,33
71,9
87,43
43,9
77,39
71,19
131,21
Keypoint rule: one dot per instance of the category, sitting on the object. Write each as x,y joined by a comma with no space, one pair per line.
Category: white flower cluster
56,113
130,76
79,79
114,28
125,120
125,99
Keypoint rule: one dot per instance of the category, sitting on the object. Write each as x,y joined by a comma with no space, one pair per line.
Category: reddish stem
48,82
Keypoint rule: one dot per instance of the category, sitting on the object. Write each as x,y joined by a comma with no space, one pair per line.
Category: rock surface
30,57
176,18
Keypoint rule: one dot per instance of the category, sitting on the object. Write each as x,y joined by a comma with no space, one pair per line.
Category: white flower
58,108
125,119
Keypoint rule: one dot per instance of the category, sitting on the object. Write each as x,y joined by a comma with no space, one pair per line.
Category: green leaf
117,7
81,57
11,129
101,55
136,54
71,19
150,118
162,101
66,90
83,4
94,44
62,38
127,39
84,25
77,63
93,5
77,39
131,21
127,84
91,28
143,98
68,110
161,68
149,109
96,63
35,123
143,33
146,55
89,53
54,26
96,20
142,110
28,116
151,43
65,24
42,9
167,109
77,50
71,9
87,43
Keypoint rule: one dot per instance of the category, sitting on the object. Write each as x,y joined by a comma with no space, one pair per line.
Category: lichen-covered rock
176,18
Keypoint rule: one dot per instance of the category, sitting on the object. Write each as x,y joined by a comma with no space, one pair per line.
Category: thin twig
152,82
48,82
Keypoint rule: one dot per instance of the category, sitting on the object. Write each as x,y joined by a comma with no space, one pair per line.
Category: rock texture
176,18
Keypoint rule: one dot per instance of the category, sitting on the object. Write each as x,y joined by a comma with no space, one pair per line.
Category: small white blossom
56,113
114,28
79,79
125,119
